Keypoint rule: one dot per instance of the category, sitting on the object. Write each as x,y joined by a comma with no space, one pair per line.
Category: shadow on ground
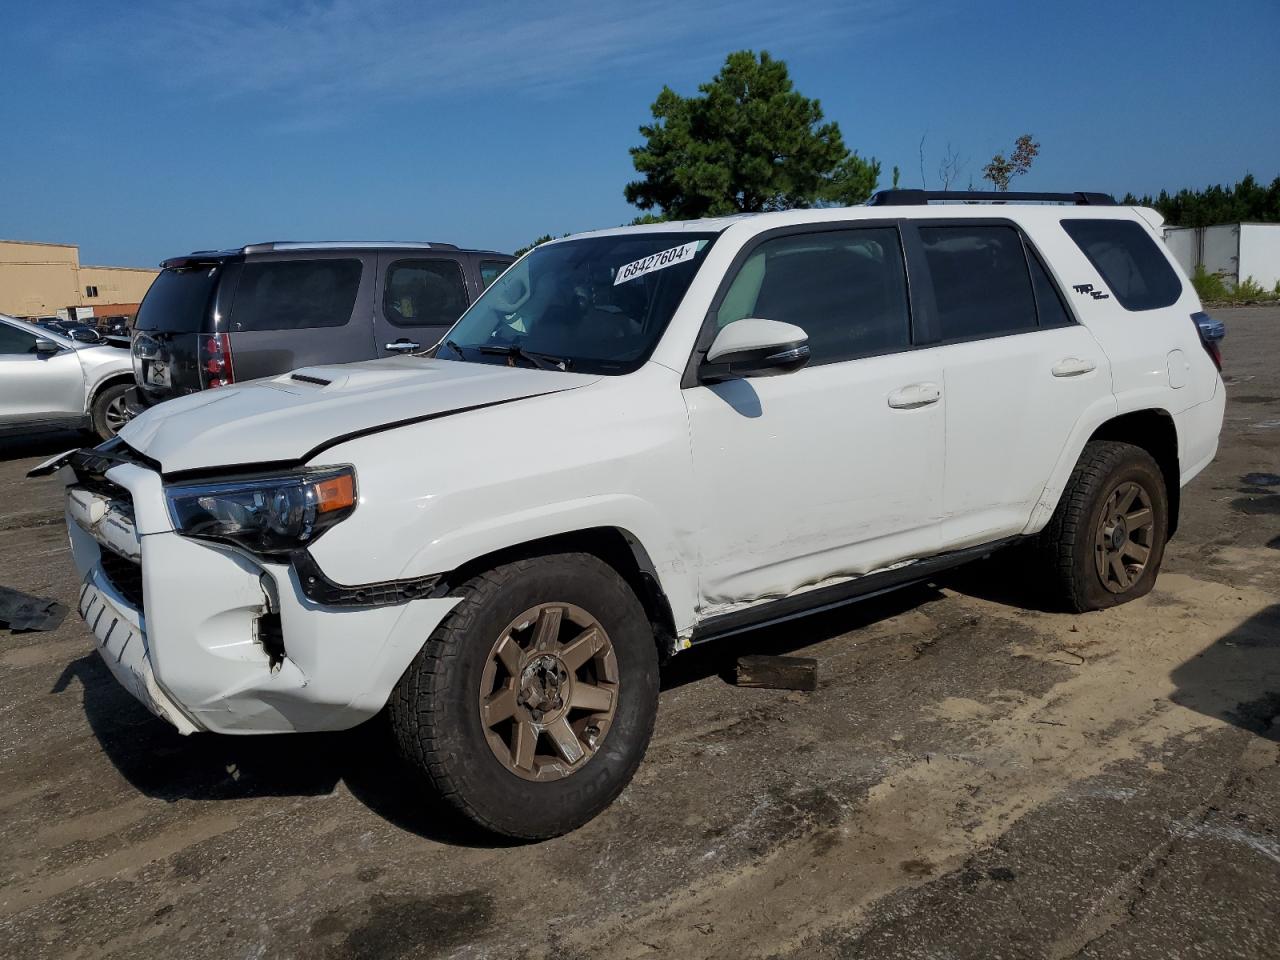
1237,679
45,444
161,763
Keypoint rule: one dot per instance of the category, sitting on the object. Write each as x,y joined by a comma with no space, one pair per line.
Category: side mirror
46,348
755,348
85,335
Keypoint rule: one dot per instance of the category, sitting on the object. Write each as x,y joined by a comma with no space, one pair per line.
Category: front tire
531,705
109,413
1106,539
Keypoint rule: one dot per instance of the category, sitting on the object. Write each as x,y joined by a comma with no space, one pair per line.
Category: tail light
1211,334
216,366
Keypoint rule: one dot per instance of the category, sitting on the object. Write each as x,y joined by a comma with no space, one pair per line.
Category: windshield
595,305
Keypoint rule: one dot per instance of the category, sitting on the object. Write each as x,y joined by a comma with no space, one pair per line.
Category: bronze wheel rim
549,692
1124,538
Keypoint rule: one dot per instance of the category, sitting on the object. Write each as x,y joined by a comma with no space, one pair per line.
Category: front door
834,470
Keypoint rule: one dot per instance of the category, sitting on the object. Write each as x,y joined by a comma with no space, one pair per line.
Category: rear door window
847,289
1131,264
980,280
295,294
418,293
1049,306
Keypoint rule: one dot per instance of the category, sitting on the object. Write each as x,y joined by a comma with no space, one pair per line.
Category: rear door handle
915,395
402,346
1073,367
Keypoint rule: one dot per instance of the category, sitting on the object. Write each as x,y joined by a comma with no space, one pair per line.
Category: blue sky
141,130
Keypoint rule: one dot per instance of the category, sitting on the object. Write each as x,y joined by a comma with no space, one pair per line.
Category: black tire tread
424,735
1060,538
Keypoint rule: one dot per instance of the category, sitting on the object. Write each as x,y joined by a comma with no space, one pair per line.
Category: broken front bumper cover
190,642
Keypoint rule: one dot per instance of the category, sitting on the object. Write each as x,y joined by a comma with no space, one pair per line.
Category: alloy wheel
549,691
1124,537
116,415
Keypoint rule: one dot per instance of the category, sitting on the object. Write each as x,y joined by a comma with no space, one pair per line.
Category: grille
125,576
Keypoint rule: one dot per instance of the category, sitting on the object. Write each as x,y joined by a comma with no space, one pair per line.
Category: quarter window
491,270
424,293
847,289
1133,267
15,341
980,281
295,294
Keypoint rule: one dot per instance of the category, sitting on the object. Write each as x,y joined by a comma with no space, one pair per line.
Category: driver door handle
402,346
915,395
1073,367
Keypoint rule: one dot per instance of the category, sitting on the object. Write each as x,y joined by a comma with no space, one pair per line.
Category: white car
51,381
635,441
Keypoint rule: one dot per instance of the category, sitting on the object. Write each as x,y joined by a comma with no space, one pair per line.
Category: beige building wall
115,284
39,279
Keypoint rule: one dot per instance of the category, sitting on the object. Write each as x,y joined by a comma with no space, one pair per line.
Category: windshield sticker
656,261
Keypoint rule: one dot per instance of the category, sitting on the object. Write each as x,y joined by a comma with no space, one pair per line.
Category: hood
290,417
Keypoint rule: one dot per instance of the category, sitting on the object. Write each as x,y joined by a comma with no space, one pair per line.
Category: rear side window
178,300
847,289
424,293
1133,267
13,340
980,280
491,270
295,294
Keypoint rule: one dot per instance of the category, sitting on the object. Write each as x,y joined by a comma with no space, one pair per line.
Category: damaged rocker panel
838,594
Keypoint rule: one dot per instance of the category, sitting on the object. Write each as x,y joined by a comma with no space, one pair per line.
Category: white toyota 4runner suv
634,441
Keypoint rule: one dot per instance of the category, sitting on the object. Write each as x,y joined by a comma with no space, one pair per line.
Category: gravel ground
974,777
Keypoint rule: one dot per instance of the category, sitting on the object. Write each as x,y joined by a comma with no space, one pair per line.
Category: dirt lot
973,778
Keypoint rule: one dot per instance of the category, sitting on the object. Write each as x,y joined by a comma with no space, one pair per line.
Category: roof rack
282,245
913,198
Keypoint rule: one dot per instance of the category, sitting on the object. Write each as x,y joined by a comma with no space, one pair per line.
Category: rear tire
1106,539
109,413
531,706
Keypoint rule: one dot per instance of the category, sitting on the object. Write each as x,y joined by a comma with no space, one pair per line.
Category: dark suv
215,317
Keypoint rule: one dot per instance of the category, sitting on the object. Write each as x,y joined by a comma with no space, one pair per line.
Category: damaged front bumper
210,638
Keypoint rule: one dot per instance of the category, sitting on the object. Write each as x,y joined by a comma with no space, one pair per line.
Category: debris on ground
778,673
21,611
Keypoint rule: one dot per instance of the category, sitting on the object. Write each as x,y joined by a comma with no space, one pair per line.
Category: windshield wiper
455,348
543,361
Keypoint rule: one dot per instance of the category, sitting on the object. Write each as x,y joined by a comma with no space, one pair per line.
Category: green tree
748,142
1000,171
1246,201
537,243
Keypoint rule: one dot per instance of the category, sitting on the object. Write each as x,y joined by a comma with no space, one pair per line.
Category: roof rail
912,198
284,245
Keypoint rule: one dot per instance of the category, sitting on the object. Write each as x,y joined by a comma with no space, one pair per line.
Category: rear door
1018,372
293,310
419,296
37,387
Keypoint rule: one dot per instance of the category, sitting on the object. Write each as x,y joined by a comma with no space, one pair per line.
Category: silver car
49,381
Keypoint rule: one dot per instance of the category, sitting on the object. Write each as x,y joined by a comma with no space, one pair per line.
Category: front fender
636,519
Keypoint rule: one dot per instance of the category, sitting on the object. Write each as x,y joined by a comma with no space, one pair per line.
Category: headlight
267,515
